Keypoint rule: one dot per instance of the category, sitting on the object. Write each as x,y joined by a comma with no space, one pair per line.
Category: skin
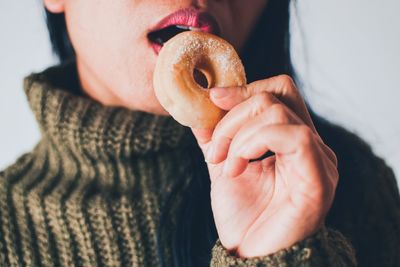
259,207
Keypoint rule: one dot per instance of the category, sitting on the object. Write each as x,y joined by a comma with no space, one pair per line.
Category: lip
188,17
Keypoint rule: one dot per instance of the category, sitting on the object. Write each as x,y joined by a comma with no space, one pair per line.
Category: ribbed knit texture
91,193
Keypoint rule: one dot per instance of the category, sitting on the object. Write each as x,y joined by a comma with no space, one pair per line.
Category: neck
95,88
74,122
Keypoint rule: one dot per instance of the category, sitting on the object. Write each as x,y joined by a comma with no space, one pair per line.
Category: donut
174,82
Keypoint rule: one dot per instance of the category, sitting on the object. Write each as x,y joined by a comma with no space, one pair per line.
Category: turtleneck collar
79,124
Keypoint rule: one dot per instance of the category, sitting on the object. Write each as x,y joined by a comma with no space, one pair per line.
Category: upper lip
190,17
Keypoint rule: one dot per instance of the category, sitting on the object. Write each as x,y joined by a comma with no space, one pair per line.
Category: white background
346,52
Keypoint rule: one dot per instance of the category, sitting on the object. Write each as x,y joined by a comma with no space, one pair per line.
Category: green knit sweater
90,193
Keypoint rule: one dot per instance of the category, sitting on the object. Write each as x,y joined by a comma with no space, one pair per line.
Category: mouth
189,19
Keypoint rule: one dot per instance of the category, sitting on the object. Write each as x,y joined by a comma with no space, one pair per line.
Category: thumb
228,97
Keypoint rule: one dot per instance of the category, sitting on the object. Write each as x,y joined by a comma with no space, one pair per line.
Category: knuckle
288,85
221,129
305,135
332,155
279,113
336,178
260,102
218,127
286,80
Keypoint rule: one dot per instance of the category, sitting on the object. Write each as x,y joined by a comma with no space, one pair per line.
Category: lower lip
156,47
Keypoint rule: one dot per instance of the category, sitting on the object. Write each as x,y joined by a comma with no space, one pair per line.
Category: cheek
112,46
136,71
94,35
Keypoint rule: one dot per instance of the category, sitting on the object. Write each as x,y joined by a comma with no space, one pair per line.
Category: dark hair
59,38
267,53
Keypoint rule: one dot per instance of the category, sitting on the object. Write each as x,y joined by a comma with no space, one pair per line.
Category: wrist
260,245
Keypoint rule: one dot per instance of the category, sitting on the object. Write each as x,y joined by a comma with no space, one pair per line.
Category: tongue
163,35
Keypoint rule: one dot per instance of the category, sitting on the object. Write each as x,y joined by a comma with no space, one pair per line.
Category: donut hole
201,78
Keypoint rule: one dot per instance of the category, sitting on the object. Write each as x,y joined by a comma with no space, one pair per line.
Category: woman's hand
266,205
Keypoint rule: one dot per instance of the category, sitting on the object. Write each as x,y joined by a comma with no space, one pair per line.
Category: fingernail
210,153
219,92
227,167
233,166
218,149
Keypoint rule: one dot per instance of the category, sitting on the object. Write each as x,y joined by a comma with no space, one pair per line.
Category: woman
116,182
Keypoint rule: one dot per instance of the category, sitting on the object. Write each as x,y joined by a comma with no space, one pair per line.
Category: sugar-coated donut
175,86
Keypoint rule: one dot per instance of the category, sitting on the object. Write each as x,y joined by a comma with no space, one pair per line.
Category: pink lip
189,17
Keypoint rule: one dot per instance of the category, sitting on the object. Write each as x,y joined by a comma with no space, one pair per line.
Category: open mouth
160,37
189,19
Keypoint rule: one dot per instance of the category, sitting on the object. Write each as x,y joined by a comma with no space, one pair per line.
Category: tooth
194,29
183,27
159,40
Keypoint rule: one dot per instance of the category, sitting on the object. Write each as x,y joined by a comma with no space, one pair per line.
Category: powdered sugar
192,47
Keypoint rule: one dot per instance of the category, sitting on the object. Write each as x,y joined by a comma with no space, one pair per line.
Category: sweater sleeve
325,248
377,232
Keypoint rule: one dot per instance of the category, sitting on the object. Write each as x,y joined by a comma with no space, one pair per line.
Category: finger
237,166
242,117
203,136
280,139
234,166
282,87
228,97
258,101
218,150
232,121
277,114
297,141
